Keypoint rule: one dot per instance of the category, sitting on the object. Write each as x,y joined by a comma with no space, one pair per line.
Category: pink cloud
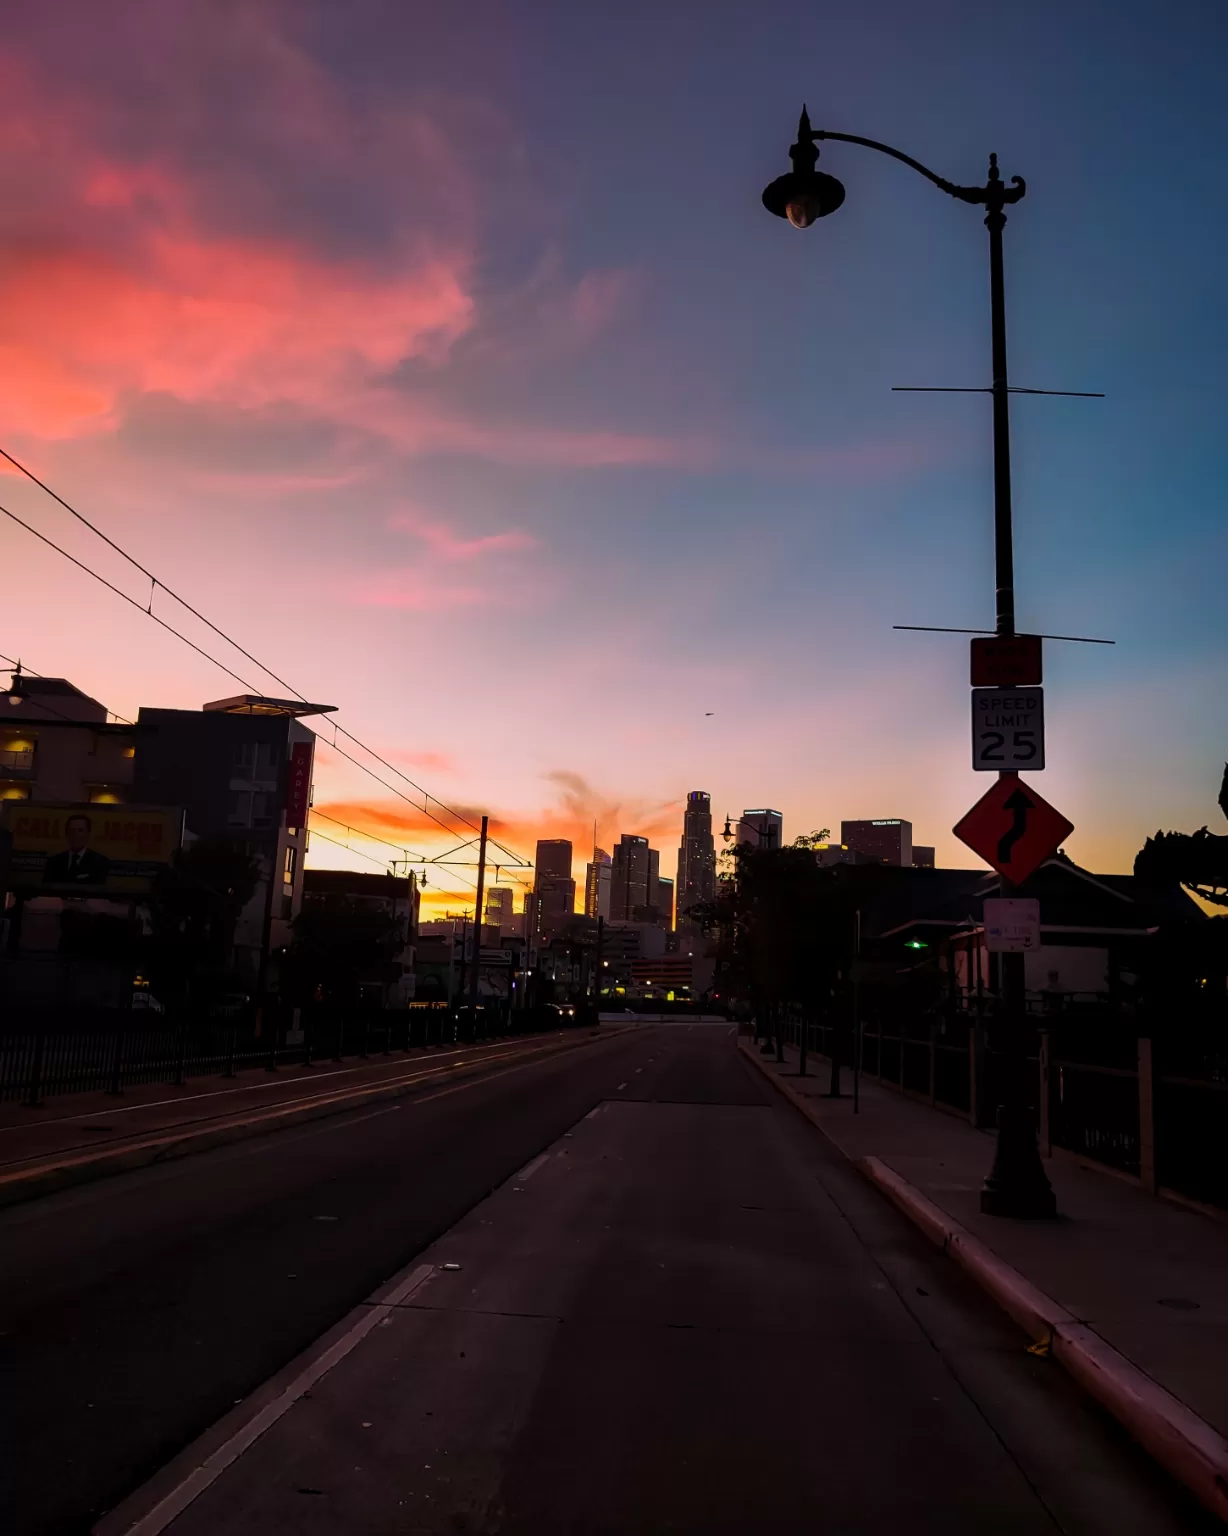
445,545
207,320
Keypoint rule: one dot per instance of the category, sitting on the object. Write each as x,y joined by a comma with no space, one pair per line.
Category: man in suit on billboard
79,864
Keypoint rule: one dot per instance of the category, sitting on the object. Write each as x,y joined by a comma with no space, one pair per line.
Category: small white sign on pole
1012,924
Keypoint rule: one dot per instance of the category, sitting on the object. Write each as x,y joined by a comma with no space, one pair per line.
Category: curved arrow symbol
1019,804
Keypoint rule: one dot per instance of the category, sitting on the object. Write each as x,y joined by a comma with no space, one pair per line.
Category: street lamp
1016,1185
17,688
766,835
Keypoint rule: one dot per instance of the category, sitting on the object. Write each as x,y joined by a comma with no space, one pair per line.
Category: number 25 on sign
1008,729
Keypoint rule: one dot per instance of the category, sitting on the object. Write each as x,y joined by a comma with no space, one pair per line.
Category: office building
553,888
499,911
886,841
665,903
922,858
56,743
827,854
696,855
241,768
597,885
553,858
629,878
556,904
761,829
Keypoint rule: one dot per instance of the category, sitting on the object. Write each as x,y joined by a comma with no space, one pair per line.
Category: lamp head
17,687
805,193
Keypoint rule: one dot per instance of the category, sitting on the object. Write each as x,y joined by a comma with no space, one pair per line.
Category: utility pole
475,974
1016,1184
599,966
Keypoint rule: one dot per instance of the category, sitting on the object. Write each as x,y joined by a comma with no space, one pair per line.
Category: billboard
61,849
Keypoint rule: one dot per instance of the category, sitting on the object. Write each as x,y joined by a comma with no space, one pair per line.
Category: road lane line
531,1168
594,1112
620,1087
190,1489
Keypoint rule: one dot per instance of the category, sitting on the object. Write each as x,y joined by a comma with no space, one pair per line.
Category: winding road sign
1013,828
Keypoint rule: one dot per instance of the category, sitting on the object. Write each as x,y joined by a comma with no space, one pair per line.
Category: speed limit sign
1008,729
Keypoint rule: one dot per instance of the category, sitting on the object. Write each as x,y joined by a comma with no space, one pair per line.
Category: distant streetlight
1016,1185
17,687
766,835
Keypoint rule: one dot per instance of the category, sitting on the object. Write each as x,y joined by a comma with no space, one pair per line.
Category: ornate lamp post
1016,1185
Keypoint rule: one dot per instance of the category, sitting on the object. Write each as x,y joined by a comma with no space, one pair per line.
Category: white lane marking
530,1169
593,1113
638,1070
173,1505
620,1087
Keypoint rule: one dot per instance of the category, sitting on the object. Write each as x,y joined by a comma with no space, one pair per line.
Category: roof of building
897,898
51,698
257,704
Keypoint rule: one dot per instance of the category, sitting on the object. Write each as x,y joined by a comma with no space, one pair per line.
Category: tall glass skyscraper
696,855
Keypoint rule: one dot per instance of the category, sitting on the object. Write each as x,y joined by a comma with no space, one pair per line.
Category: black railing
1154,1109
109,1051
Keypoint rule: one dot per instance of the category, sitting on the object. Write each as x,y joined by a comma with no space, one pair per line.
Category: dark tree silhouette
1198,860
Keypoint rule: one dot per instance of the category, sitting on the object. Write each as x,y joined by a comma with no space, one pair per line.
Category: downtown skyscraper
696,855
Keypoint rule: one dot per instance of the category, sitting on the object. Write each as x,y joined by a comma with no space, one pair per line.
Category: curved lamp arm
993,194
992,191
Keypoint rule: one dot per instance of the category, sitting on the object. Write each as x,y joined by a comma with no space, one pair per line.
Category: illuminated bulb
802,210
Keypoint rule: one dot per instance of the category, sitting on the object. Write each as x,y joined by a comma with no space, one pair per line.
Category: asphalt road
690,1316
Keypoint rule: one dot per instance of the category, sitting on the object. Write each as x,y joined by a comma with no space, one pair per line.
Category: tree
781,937
340,944
812,840
1198,860
194,909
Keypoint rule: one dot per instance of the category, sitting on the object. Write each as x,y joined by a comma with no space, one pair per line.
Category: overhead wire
156,583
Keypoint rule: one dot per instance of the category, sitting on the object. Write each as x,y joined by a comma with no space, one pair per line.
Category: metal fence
108,1051
1153,1108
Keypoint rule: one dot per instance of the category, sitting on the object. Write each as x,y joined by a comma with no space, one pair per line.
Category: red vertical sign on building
298,784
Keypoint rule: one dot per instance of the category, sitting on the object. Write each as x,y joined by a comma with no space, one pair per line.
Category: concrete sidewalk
85,1136
1146,1276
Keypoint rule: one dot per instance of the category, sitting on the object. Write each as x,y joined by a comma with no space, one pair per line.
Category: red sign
298,785
1013,828
1006,661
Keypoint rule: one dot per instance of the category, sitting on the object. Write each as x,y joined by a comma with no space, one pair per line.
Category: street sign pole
1016,1184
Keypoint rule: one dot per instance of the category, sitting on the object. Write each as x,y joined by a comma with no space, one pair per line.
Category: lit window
291,865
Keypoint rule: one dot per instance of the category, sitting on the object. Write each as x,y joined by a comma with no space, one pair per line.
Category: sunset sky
445,356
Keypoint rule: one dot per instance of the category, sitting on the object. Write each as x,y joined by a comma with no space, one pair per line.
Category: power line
195,612
155,584
42,704
131,601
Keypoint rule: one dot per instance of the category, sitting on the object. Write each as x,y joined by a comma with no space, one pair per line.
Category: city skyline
517,361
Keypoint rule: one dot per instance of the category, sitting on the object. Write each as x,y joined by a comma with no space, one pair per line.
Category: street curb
70,1172
1184,1444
